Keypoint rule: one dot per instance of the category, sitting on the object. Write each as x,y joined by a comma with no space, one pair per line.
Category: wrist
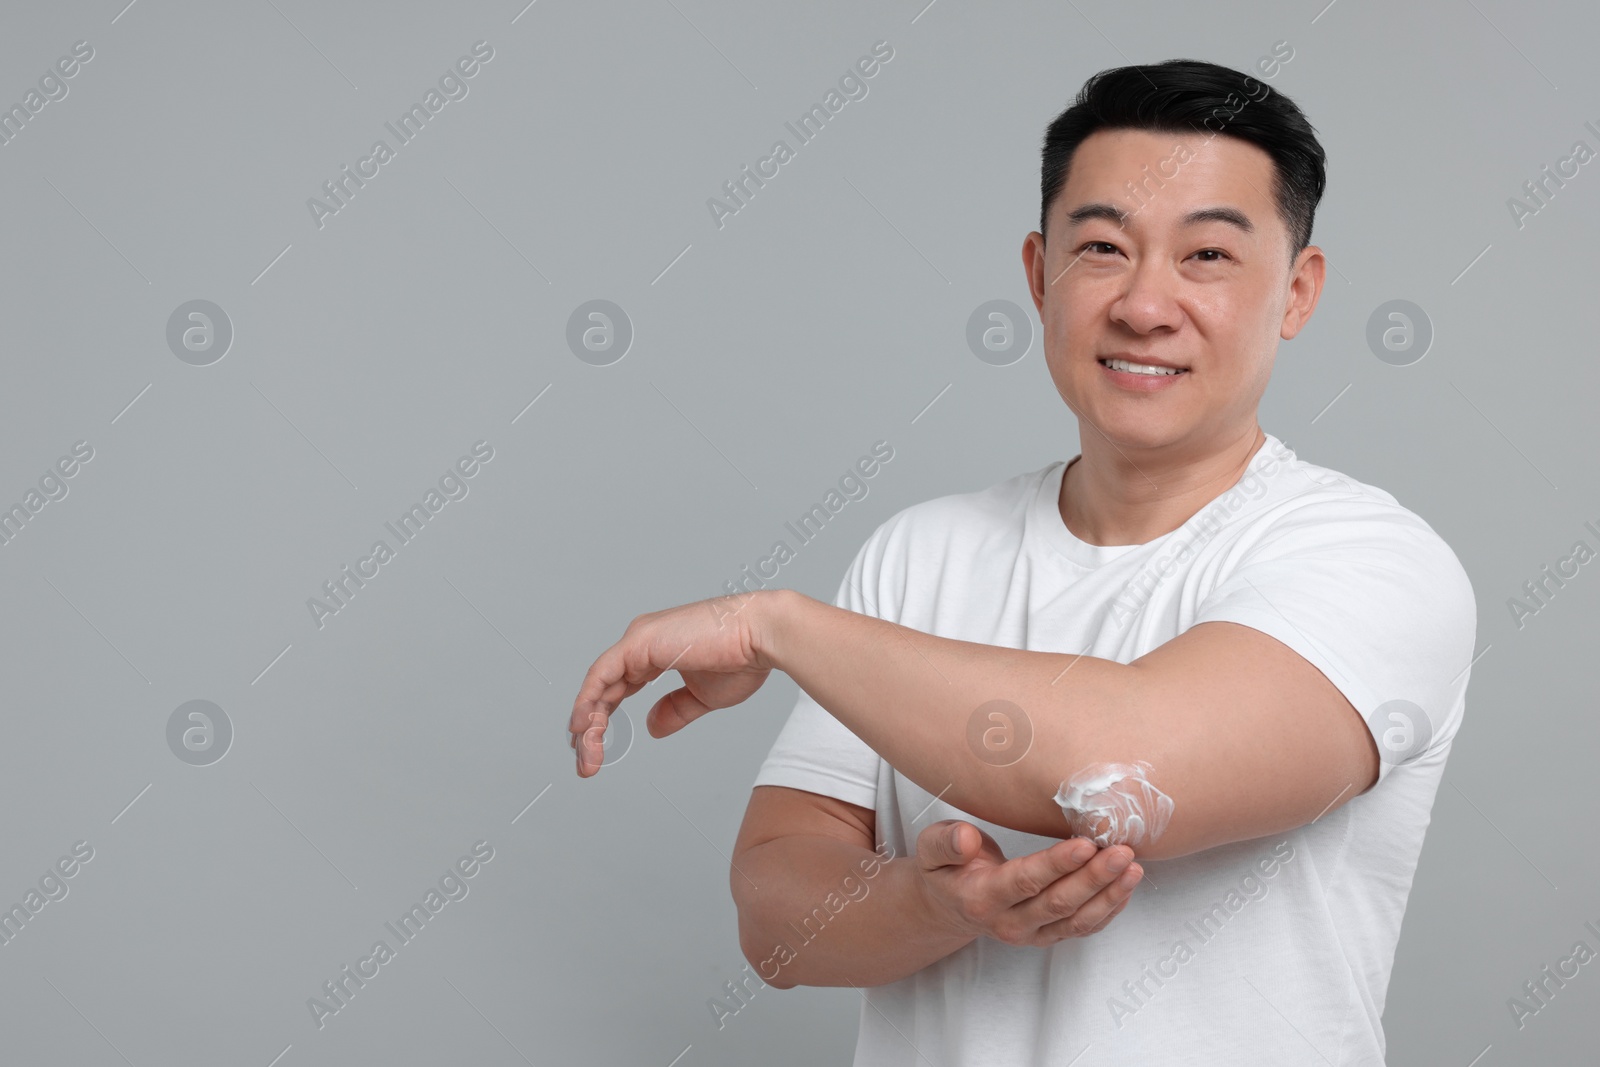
770,613
932,917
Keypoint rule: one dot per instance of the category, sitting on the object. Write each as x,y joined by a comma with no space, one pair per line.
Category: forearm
818,919
911,696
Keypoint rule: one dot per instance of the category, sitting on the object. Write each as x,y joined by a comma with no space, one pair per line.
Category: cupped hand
713,644
1071,889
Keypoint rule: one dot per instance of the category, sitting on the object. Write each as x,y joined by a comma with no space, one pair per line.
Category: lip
1149,361
1141,383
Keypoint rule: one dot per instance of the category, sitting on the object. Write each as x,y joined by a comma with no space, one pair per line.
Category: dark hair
1193,96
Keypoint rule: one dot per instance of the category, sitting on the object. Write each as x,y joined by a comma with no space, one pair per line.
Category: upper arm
1243,734
1333,651
778,811
775,813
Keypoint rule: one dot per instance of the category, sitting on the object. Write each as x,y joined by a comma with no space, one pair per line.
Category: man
1185,646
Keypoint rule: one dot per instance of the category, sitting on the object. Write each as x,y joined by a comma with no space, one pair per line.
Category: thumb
943,843
673,712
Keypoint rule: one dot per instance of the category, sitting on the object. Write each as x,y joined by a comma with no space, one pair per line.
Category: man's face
1202,294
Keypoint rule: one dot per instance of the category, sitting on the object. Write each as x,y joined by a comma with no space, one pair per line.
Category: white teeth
1138,368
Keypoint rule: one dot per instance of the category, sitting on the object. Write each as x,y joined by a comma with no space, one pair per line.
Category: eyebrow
1111,213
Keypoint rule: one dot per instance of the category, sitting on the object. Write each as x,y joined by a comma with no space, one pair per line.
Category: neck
1114,495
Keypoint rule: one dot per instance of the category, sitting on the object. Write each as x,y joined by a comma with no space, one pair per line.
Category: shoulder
1324,515
1360,586
996,508
945,535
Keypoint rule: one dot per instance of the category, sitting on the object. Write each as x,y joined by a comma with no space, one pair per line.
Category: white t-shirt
1273,950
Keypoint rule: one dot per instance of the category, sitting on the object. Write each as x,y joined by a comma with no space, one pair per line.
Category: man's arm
1243,735
818,906
795,849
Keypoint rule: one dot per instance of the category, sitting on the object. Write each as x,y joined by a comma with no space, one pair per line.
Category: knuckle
1079,925
1028,885
1059,906
1010,933
1103,923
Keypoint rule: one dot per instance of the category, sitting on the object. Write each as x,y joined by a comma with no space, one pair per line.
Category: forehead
1159,180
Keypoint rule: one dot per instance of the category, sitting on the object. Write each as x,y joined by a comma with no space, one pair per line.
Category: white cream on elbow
1114,804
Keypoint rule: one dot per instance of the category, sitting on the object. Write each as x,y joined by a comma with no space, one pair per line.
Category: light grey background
768,355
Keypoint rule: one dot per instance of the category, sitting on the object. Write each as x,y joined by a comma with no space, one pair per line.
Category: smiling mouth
1142,368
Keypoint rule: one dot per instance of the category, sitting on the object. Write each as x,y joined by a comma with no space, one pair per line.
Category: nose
1147,302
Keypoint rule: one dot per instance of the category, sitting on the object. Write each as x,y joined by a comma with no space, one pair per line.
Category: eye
1209,251
1089,244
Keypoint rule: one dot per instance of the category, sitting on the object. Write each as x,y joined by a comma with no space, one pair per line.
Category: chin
1132,429
1143,435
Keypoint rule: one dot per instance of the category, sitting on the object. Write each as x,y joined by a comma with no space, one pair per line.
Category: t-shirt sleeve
1371,596
815,751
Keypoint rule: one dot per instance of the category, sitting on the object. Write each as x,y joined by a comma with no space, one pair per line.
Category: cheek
1219,313
1235,333
1072,313
1069,339
1058,330
1249,309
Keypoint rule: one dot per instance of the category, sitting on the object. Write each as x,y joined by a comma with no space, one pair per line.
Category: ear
1305,288
1033,267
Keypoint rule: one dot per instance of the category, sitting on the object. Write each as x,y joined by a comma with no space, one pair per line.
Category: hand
715,645
1037,900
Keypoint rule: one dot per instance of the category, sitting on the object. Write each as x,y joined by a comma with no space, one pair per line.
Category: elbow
756,943
763,961
1115,804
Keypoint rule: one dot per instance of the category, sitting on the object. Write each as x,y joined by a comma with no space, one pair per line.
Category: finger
608,682
590,746
673,712
1098,913
617,673
601,700
944,844
1086,922
1073,893
573,737
1025,877
591,698
1124,886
